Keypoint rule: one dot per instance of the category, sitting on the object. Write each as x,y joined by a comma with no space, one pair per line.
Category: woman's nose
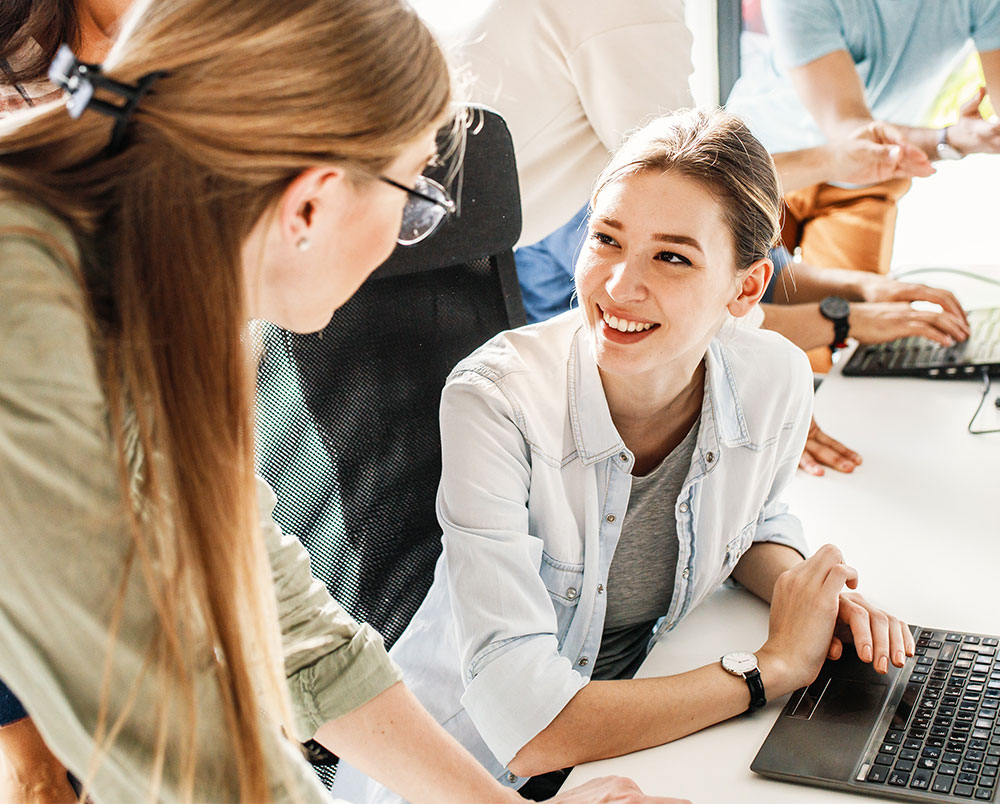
625,282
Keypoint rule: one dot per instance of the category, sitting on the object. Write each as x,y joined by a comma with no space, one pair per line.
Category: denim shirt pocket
563,581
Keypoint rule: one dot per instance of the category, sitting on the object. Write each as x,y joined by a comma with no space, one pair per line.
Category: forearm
761,565
811,283
802,324
611,718
804,168
394,740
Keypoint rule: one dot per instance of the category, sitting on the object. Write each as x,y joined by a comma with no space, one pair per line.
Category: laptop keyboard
944,736
918,356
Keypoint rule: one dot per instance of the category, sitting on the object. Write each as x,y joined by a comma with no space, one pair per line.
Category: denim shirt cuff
517,694
787,530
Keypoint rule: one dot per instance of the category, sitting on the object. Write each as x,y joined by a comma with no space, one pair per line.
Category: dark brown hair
48,23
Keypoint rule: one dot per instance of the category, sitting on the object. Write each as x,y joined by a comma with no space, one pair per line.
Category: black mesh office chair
347,418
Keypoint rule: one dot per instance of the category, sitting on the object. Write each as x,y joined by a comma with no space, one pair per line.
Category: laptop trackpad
847,701
825,727
838,700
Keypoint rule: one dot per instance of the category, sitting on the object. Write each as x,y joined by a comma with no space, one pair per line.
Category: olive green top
62,546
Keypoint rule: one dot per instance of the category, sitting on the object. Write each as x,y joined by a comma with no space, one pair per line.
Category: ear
307,193
752,285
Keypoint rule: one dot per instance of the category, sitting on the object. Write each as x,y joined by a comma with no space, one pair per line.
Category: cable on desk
969,274
987,382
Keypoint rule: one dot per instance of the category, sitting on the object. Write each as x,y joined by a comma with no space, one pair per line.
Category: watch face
834,307
739,663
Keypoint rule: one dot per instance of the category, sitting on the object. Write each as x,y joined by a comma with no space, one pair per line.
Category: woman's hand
812,616
823,450
878,637
611,790
805,607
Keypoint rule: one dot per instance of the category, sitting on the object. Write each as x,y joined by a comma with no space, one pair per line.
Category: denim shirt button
584,661
623,456
610,517
511,776
571,593
600,588
683,507
687,573
709,457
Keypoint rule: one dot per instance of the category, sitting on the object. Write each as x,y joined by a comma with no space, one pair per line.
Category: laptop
927,731
920,357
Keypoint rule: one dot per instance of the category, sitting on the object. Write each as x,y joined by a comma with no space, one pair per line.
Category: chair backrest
347,418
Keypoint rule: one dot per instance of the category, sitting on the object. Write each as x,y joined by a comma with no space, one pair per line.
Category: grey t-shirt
641,576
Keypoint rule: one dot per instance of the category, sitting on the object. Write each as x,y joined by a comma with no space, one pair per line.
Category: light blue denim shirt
534,490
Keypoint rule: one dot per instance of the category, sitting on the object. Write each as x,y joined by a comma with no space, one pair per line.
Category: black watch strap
837,310
756,685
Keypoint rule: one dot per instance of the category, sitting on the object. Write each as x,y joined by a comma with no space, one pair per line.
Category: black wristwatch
837,310
745,666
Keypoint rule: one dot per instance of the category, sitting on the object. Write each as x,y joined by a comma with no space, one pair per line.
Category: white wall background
702,19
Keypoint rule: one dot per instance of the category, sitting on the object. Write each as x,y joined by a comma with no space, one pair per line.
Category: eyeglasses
427,205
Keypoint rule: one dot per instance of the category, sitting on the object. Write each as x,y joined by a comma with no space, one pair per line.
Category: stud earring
303,244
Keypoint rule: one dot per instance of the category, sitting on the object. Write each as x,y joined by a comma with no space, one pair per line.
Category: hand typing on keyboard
878,288
880,322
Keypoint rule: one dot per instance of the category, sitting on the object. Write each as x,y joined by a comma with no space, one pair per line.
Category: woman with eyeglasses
603,472
229,161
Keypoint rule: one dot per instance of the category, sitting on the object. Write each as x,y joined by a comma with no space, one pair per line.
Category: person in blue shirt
840,64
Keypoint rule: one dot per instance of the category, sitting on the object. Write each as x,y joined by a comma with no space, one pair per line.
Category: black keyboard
919,357
944,736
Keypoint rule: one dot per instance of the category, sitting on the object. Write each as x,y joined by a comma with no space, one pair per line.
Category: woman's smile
622,328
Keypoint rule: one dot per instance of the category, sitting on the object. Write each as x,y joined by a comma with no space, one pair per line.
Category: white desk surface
920,519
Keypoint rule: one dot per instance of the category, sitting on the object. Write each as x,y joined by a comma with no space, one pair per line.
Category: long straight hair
254,93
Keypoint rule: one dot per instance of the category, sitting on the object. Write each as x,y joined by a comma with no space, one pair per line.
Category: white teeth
623,325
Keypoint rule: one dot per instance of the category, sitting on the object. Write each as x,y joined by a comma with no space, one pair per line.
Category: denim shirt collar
594,431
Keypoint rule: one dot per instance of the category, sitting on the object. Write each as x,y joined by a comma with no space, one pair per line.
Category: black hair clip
80,80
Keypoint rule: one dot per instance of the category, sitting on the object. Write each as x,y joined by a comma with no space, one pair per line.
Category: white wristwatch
744,665
946,150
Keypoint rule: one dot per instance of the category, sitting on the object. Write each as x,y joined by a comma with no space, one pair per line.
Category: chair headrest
486,190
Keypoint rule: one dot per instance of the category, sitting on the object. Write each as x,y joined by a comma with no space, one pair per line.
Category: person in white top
570,79
544,601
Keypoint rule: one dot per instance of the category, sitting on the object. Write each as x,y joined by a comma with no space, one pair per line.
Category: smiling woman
682,220
606,470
